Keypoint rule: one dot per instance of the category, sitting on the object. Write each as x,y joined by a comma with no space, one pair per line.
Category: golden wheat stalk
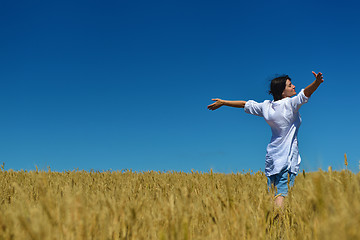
346,161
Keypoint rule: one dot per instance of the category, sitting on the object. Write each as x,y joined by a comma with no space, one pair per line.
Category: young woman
282,114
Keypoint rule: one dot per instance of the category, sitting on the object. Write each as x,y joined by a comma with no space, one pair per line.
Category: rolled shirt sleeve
254,108
298,100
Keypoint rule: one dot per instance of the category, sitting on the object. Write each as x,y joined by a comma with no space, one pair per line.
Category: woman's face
289,90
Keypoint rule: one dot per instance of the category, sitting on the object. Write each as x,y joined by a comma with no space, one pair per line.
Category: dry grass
175,205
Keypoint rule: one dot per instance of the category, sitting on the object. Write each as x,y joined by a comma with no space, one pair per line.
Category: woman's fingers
318,76
211,106
214,106
218,103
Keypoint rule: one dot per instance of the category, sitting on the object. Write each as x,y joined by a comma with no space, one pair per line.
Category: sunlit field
175,205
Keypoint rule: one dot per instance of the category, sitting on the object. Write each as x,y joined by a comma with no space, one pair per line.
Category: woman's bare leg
279,201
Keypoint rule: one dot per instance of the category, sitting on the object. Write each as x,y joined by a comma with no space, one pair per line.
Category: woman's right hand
218,103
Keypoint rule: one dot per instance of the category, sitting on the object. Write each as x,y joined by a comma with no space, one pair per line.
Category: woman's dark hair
277,86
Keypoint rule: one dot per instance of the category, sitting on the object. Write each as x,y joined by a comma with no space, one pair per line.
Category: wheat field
175,205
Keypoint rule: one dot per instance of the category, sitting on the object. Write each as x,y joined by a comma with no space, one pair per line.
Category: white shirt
284,119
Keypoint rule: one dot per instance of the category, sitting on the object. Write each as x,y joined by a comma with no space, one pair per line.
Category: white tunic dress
284,119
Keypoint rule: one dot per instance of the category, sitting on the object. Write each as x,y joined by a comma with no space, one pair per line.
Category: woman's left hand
319,77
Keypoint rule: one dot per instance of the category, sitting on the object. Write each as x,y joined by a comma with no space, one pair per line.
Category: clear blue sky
125,84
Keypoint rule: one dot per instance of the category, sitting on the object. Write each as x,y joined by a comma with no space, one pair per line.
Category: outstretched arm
314,85
220,102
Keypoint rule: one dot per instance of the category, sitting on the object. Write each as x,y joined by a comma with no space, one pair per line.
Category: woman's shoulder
280,102
268,101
